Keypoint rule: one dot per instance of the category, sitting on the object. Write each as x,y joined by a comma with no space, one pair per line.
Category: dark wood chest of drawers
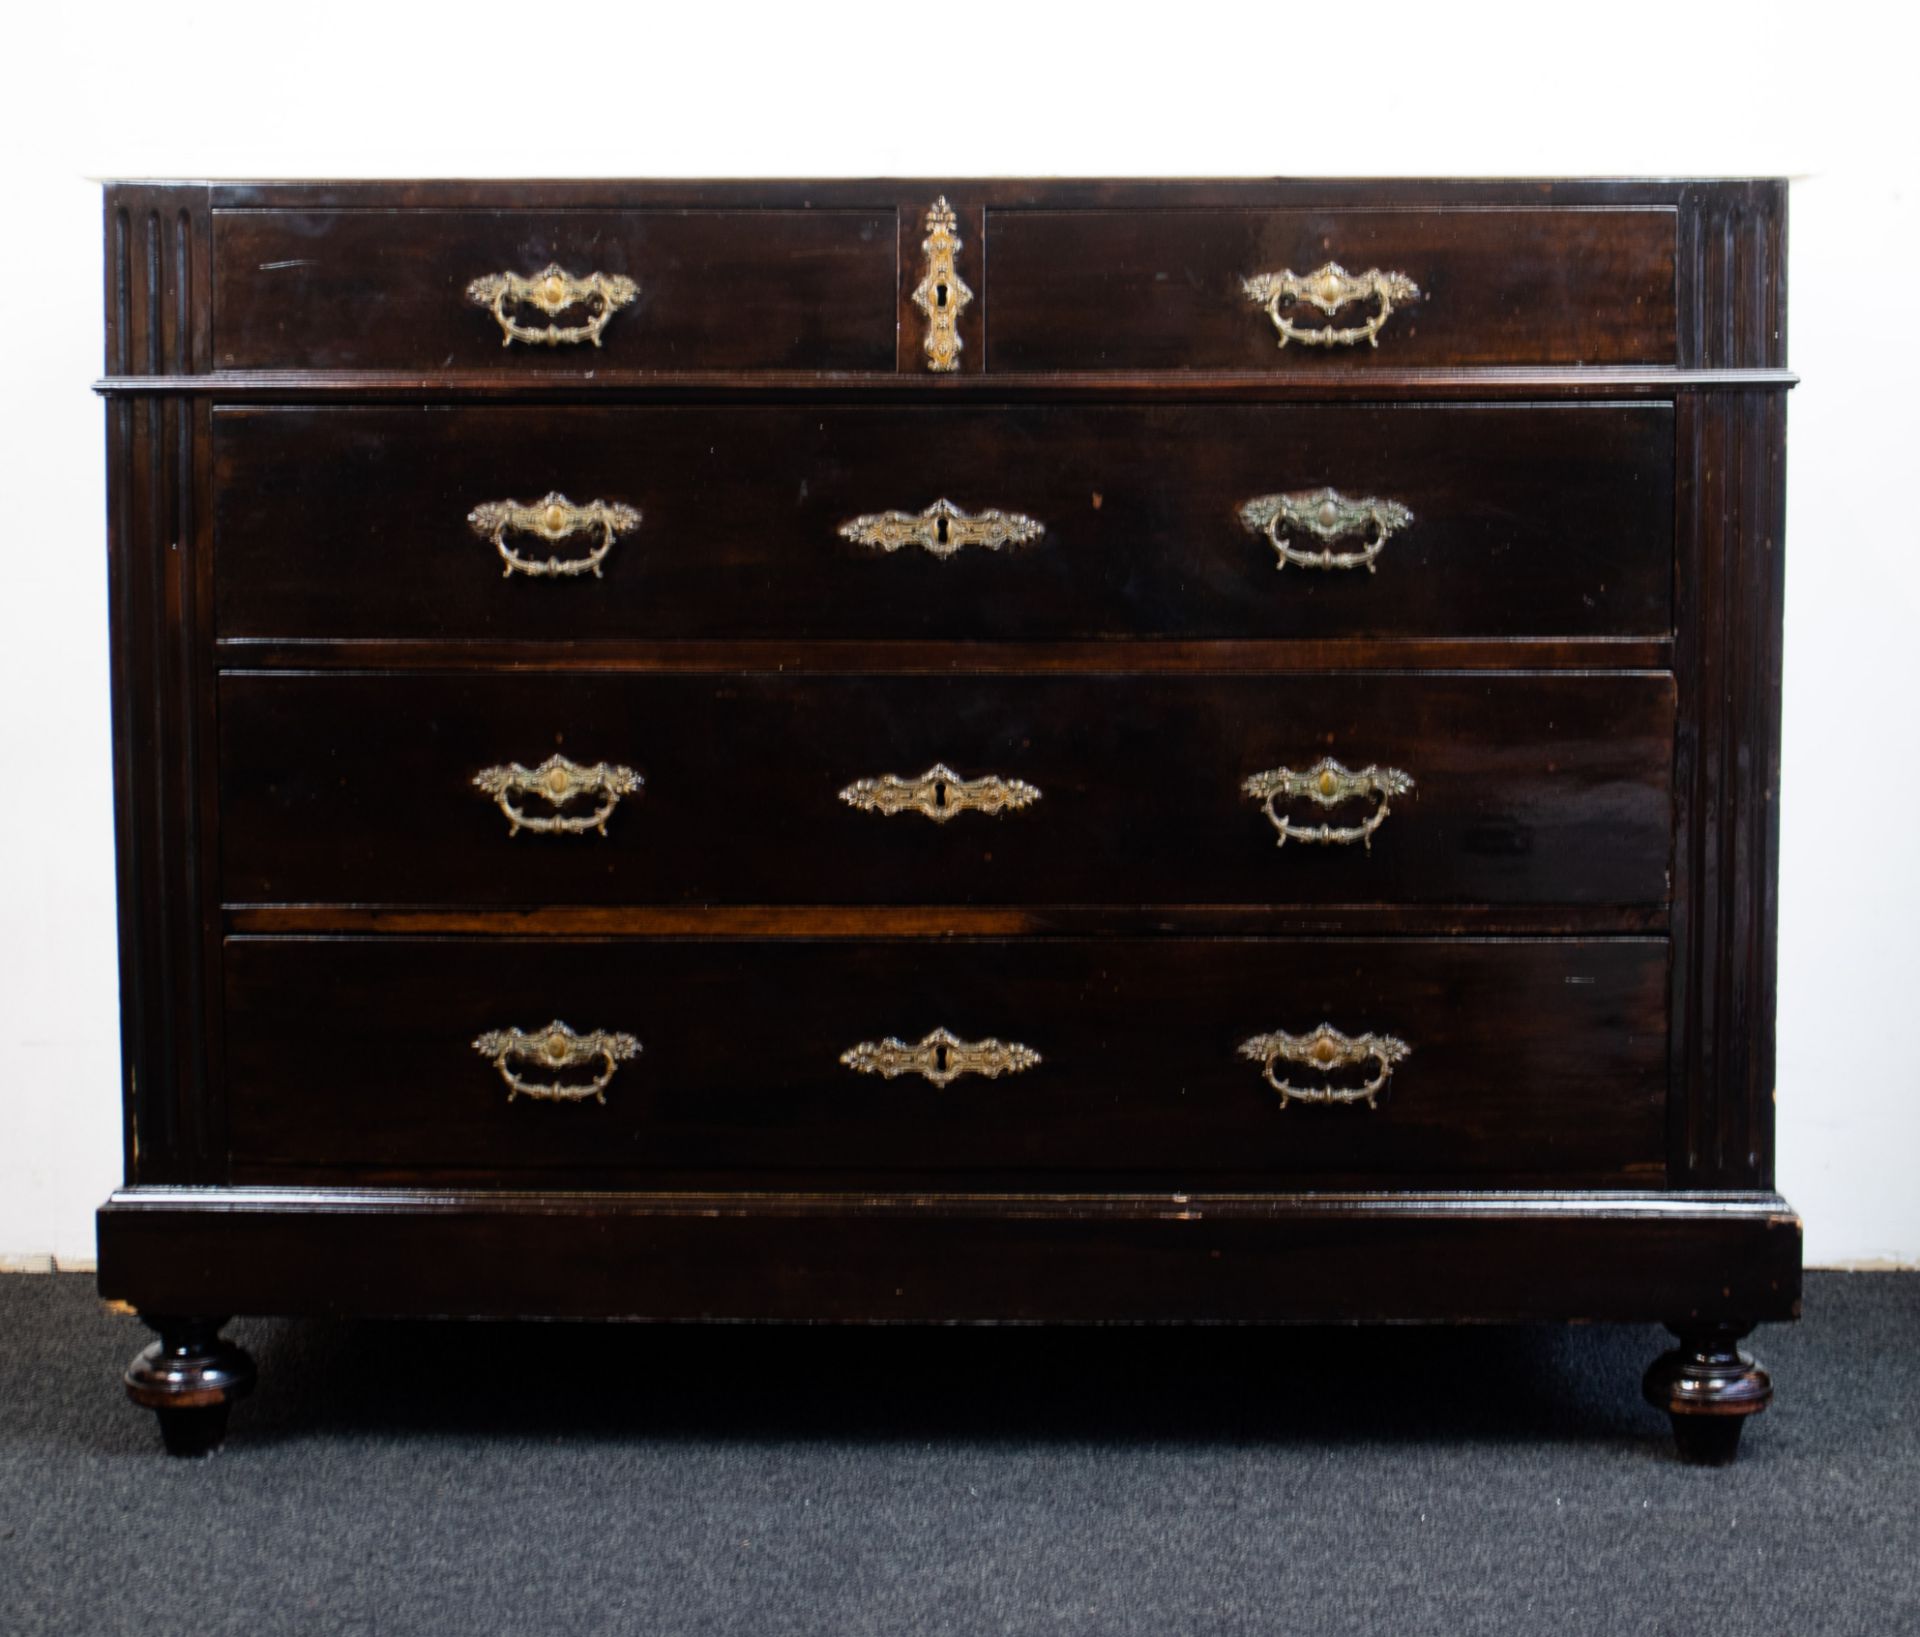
956,751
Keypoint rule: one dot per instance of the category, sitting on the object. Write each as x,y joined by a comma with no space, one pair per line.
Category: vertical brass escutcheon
941,292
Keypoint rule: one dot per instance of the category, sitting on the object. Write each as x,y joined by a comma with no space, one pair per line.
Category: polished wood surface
752,289
1161,289
923,1257
1529,521
1533,1062
1529,789
1575,650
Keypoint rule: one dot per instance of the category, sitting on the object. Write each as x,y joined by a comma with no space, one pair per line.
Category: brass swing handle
557,782
941,1057
1329,289
552,291
556,1048
552,518
1325,1050
1328,516
939,794
1327,784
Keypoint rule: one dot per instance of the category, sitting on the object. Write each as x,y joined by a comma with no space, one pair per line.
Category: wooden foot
189,1377
1708,1388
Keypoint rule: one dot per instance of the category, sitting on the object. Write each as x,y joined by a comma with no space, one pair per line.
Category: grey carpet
565,1481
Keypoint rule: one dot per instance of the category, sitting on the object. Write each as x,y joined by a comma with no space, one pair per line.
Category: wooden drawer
714,289
1529,788
1527,520
1163,289
1530,1062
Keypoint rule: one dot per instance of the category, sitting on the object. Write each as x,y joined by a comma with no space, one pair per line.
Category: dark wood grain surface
1533,1062
939,1257
751,289
1161,289
1528,521
1529,789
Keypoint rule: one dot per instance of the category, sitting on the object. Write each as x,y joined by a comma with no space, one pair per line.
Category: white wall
349,89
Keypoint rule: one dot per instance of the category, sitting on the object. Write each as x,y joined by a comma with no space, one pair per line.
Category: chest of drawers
981,751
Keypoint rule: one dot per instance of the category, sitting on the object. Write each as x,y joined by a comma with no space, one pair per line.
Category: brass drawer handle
557,782
941,1057
1327,515
1329,289
552,518
939,794
555,1048
553,290
1327,1049
942,529
1327,784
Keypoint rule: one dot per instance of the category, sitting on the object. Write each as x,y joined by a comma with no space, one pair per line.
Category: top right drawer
1380,287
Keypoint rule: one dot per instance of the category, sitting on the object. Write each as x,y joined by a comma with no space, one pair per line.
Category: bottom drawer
1515,1063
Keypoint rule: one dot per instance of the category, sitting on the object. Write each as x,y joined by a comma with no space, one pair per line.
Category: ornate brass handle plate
941,292
942,529
557,1048
1325,1050
1329,289
941,1057
1327,784
940,794
552,518
557,782
1328,516
552,291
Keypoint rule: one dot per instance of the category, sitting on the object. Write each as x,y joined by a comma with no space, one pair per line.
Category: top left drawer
677,289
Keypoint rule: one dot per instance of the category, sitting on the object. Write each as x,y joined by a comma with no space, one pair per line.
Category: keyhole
939,295
940,794
940,530
940,1059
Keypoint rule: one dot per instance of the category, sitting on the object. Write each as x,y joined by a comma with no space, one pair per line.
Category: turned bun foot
189,1378
1708,1388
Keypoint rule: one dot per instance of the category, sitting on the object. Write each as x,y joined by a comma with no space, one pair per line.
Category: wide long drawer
1196,521
533,290
1519,1062
1339,287
1352,788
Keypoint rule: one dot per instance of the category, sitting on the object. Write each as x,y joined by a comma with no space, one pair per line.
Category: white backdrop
985,88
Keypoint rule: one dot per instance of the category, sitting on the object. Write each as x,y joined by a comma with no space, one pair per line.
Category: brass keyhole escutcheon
941,292
939,794
941,1057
